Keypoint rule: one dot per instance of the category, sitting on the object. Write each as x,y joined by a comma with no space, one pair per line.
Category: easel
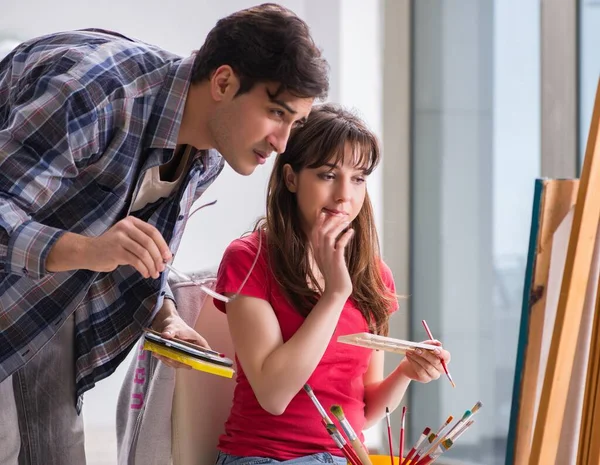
534,439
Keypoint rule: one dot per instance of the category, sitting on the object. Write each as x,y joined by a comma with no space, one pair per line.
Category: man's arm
49,131
129,242
52,131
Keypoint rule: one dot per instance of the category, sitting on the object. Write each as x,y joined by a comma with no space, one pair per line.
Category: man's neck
194,122
172,170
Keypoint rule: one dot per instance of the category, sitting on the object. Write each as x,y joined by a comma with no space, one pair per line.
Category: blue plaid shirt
82,116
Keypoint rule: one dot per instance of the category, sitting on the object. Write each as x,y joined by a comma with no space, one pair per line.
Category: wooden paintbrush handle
361,452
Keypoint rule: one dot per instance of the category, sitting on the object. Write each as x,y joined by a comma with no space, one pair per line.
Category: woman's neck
314,268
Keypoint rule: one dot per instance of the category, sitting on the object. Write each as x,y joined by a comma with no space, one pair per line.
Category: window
476,153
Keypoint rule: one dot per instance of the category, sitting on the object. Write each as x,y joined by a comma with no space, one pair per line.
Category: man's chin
244,170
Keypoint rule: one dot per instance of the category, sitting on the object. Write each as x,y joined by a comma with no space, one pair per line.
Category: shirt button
25,271
180,217
162,293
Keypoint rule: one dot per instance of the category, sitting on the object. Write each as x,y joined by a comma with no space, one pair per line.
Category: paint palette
389,344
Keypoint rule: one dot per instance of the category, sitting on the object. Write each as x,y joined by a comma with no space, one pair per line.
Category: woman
315,274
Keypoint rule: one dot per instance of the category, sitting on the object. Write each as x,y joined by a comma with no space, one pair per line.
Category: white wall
347,31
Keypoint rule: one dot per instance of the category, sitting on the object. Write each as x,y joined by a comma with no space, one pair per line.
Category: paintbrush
315,401
338,412
341,443
444,366
389,431
401,442
417,445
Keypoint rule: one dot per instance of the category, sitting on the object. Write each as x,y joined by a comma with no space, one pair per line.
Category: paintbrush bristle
447,444
477,406
307,388
337,411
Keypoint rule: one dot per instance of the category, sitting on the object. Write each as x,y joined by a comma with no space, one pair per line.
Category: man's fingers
199,340
194,339
154,234
137,253
185,334
149,247
133,260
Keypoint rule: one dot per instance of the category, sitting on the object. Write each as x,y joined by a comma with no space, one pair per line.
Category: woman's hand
329,242
424,365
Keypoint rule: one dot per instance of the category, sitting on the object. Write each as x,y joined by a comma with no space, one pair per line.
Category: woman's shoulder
247,245
385,271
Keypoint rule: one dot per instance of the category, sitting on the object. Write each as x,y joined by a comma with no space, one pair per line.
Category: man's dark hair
265,43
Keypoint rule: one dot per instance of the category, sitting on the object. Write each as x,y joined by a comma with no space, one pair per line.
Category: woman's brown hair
322,140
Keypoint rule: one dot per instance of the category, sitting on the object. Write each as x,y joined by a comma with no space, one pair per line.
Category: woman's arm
381,393
277,370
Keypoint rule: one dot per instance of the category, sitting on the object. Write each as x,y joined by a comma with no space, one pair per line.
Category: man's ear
224,83
290,178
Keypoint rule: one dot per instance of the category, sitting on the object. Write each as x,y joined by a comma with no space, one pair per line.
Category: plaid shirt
82,116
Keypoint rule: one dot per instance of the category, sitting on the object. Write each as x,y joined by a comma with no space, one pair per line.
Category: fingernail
437,351
419,351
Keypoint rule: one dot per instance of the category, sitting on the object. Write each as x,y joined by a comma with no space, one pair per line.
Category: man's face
248,128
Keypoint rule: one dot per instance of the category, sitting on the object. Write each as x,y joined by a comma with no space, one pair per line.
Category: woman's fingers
343,241
423,367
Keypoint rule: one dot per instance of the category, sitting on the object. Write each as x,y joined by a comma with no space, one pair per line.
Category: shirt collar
167,111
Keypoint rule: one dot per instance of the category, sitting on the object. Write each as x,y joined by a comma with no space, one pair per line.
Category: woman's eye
326,176
359,180
278,113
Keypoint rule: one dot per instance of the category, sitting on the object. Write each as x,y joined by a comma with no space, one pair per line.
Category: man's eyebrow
281,103
331,165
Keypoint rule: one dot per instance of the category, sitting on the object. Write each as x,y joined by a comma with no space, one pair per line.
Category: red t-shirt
338,379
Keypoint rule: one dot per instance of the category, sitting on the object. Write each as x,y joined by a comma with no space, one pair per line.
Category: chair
201,401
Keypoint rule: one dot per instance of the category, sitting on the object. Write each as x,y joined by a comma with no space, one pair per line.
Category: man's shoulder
89,40
95,56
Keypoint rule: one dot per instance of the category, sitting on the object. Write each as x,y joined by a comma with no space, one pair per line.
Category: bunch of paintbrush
356,454
430,445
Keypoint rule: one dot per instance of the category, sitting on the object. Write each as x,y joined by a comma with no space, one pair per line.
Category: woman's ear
290,178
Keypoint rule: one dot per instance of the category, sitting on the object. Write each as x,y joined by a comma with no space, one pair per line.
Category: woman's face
331,189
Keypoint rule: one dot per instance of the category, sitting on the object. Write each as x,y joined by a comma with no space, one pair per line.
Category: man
105,142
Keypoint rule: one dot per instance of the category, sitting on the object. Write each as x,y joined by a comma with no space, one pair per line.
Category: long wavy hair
322,139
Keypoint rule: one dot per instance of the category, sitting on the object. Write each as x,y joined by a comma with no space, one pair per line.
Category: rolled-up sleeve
48,133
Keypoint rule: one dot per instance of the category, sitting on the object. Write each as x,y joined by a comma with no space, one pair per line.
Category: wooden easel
568,317
554,200
534,440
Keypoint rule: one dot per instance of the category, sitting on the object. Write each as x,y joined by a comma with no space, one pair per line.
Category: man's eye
278,113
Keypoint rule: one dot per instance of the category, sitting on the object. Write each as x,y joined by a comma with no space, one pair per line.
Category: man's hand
129,242
170,325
